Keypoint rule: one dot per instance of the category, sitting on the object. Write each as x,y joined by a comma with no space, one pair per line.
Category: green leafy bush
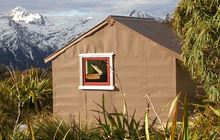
23,94
197,24
8,114
31,88
206,124
4,73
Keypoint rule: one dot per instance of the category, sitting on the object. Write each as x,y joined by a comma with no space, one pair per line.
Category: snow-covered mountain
20,14
19,47
26,38
142,14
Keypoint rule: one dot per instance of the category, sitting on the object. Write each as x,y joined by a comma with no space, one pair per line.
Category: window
96,71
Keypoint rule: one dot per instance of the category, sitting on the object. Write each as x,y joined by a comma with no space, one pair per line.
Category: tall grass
109,126
119,126
54,128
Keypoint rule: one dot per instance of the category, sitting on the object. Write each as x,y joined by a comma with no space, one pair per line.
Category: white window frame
96,87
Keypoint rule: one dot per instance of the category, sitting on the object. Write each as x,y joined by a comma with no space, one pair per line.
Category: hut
120,57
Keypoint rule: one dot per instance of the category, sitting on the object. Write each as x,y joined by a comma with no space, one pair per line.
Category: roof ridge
130,17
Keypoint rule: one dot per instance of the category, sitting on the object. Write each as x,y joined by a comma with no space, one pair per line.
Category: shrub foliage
197,22
23,94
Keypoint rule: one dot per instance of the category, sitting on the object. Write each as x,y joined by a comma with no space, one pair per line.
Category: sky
90,7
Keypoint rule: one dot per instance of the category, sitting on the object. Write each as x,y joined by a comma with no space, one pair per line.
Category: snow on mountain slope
19,47
72,31
142,14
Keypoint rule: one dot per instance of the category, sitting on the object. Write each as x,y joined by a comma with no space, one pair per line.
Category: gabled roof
156,31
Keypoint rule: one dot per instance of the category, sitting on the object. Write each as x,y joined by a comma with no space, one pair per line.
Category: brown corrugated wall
141,65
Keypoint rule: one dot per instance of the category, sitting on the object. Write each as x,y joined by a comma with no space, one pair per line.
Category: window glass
96,70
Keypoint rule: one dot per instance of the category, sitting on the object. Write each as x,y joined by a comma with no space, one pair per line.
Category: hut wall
141,67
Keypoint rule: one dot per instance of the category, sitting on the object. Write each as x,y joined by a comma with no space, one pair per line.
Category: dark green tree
197,23
4,72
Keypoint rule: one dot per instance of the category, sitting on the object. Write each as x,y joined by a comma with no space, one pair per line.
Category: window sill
97,87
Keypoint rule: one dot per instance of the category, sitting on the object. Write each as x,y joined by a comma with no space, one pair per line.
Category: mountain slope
19,47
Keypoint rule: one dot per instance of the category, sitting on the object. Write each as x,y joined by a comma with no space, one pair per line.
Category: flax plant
31,91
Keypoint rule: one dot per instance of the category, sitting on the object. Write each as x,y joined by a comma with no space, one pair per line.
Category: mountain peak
140,14
20,14
19,8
